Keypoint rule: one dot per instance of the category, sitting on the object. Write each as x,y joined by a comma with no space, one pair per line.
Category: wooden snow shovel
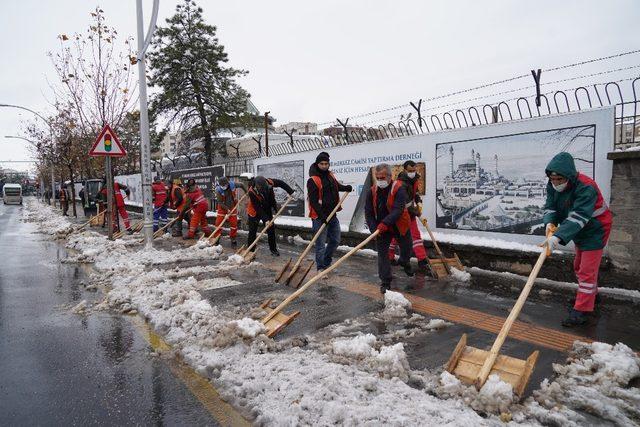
91,220
304,253
160,230
441,267
275,320
245,252
212,237
473,365
136,227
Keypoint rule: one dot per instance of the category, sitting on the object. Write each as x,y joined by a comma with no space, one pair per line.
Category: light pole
145,145
53,184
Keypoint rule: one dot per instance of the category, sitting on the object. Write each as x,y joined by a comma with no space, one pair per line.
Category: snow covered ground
342,374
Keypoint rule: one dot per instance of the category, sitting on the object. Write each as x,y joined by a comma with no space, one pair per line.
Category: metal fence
627,121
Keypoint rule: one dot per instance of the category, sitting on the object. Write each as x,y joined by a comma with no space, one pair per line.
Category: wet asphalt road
59,368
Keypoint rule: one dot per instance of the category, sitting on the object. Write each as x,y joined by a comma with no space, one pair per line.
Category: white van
12,193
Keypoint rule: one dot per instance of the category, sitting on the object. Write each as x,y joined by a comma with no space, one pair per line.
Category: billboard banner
484,181
205,177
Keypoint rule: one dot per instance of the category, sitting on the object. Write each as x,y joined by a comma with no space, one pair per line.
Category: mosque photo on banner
293,174
498,184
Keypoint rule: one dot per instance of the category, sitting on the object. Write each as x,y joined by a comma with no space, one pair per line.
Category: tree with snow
198,91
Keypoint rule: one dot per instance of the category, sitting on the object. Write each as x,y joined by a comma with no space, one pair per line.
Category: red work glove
382,227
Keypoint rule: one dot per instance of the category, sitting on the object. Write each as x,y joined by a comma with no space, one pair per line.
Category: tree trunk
205,127
73,191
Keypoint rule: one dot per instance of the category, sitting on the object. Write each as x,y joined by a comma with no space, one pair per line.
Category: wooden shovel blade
283,270
304,274
214,240
277,322
466,362
242,249
250,257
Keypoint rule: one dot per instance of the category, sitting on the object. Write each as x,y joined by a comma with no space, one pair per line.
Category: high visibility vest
318,182
404,221
174,192
197,198
251,210
159,193
63,195
224,195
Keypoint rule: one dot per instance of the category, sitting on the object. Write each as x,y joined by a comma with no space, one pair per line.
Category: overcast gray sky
315,61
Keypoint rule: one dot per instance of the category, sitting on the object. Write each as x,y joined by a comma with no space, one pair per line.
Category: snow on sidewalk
351,378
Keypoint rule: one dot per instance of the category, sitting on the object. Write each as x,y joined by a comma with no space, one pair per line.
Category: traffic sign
107,144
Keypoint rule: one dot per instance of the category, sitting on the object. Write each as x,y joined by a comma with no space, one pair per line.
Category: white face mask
411,175
382,184
224,187
560,187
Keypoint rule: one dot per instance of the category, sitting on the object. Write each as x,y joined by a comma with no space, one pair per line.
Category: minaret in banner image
451,160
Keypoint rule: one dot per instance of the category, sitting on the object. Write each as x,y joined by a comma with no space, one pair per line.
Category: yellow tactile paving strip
538,335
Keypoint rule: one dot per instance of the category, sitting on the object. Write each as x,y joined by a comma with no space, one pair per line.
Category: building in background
300,128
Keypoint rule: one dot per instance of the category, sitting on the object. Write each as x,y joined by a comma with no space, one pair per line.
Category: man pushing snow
575,203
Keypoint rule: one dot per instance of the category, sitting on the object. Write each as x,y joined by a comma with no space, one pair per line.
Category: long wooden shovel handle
319,276
164,227
96,216
318,233
267,226
515,311
435,245
226,217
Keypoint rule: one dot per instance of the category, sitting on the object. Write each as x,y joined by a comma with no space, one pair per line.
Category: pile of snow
495,396
389,361
460,275
48,219
235,259
596,380
249,328
358,347
302,387
395,305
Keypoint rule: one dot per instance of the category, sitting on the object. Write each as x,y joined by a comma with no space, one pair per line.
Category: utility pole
266,133
145,145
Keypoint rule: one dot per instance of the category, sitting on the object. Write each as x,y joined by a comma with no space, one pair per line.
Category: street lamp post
53,184
145,145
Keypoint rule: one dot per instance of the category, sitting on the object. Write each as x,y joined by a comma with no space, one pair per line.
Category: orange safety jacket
318,182
404,221
251,210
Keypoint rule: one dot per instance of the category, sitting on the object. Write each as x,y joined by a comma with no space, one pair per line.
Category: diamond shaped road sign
107,144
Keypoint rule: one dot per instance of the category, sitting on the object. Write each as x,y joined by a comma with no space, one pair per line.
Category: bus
12,194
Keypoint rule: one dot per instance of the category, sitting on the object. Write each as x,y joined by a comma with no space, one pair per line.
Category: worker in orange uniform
261,207
226,201
178,201
199,204
160,203
118,201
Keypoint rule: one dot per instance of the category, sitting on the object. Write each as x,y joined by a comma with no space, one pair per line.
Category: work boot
423,265
393,261
234,242
576,318
189,237
407,269
384,287
274,252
